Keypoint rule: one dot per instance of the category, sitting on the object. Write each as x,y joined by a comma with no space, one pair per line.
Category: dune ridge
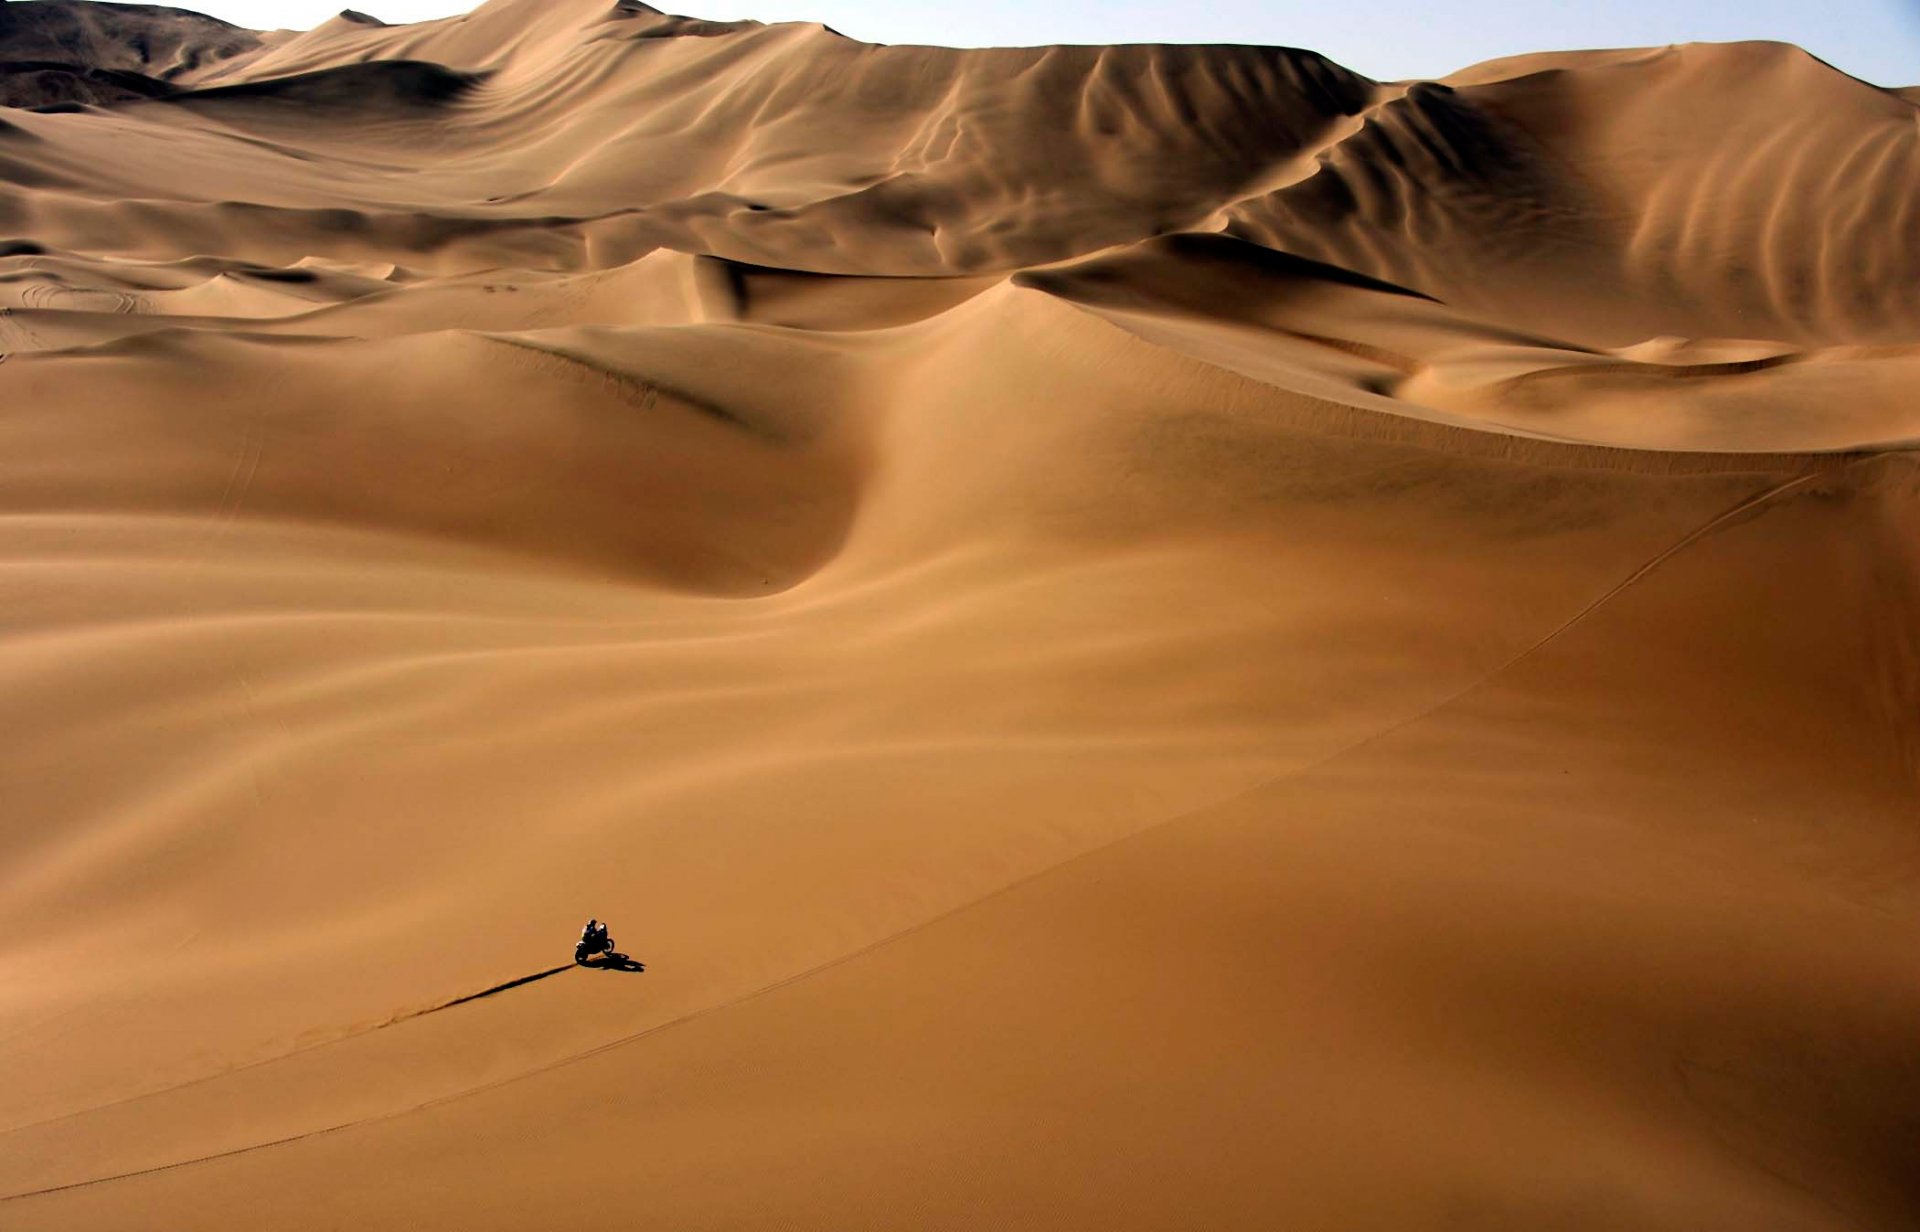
1136,636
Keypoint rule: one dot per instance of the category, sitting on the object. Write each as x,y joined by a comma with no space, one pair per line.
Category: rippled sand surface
1137,637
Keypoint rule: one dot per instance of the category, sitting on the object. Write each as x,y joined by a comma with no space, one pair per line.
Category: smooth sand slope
1138,637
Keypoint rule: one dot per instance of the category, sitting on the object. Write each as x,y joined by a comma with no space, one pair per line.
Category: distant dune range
1138,637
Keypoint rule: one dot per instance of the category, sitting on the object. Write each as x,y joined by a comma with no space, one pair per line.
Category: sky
1878,40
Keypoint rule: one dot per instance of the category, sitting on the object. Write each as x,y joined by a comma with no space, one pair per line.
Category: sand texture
1137,637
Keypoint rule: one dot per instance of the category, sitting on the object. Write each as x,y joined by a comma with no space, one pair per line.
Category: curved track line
1750,504
397,1019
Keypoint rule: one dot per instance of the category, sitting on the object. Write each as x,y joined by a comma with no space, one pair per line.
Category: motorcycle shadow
613,962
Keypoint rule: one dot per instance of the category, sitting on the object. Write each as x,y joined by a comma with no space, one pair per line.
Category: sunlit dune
1137,637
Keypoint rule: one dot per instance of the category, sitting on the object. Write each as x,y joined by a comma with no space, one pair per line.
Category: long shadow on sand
613,962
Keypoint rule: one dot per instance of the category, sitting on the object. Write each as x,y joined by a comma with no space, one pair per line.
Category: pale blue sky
1875,39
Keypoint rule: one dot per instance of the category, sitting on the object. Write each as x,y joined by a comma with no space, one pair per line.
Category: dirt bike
592,947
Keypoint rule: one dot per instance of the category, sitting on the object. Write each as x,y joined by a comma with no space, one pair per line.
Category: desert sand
1137,637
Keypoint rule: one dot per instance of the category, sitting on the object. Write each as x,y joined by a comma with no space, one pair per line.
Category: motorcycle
591,947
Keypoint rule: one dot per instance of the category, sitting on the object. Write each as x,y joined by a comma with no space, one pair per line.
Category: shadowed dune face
1128,637
1689,191
55,52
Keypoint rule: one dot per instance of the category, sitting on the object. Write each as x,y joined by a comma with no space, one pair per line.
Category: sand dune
1137,637
64,54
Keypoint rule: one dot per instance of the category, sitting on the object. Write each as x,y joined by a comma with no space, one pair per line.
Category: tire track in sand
1750,505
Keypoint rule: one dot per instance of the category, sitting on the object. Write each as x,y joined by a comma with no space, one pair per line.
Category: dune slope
1136,637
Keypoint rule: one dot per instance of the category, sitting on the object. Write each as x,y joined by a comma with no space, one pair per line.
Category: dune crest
1135,637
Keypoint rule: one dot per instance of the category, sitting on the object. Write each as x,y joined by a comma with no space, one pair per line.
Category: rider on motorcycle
594,939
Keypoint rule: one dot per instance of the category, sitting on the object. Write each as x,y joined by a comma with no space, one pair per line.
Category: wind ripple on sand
1138,637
